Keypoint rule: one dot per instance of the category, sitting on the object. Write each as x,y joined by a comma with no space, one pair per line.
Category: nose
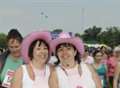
42,50
14,49
64,50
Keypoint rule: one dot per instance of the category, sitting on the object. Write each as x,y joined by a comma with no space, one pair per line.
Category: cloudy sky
69,15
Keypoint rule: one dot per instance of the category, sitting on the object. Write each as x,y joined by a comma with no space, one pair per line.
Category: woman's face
66,52
98,56
14,46
116,54
40,52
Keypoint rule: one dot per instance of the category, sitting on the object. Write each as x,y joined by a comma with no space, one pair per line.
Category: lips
42,56
65,56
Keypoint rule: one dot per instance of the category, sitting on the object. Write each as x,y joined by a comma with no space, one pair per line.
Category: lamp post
43,18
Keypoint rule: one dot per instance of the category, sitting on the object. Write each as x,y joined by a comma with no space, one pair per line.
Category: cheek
47,54
15,50
59,55
34,52
47,51
19,48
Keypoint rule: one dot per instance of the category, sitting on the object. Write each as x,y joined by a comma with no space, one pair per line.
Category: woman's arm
116,76
95,77
17,80
53,80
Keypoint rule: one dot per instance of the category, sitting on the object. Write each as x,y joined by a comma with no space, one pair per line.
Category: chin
16,55
42,60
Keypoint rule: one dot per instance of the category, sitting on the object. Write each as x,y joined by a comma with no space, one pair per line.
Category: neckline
77,67
35,71
14,59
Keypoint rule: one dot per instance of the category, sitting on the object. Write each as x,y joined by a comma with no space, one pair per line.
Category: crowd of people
38,61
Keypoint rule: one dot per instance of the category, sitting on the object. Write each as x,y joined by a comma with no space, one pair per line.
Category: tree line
109,36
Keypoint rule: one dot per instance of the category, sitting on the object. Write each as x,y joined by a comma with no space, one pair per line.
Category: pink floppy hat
46,36
65,37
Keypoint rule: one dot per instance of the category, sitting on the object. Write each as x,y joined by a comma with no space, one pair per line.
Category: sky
69,15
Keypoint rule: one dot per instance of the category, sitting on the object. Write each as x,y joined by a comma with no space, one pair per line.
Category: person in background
101,68
36,53
111,64
70,72
104,50
87,58
11,59
116,81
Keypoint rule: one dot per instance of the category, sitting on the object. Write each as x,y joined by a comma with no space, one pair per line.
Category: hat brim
75,41
29,39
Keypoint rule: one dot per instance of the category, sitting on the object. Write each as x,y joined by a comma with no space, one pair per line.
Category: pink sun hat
65,37
46,36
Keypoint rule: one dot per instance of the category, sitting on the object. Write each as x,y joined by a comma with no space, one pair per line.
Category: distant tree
91,34
57,30
3,43
110,37
77,34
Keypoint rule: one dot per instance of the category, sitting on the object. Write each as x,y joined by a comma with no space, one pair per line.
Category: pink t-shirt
111,63
89,60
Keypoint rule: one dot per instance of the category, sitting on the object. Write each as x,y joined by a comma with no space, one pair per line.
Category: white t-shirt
73,80
41,80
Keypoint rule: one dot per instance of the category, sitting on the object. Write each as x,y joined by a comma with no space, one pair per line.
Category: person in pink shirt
87,58
111,64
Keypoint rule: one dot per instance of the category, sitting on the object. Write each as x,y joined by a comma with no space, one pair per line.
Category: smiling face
39,51
66,53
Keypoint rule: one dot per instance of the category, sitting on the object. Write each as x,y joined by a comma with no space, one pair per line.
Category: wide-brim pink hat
46,36
66,38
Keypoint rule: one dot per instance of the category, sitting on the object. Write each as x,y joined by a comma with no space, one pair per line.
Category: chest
74,80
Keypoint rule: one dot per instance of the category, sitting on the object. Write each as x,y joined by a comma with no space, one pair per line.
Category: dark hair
30,52
14,34
103,47
77,57
95,52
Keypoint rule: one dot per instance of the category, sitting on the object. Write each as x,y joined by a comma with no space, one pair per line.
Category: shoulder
19,70
17,75
51,67
91,68
17,79
118,66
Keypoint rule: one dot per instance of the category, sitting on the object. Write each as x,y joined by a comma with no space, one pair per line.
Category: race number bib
8,78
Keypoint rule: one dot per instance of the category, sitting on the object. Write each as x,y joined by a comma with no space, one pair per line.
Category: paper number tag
8,77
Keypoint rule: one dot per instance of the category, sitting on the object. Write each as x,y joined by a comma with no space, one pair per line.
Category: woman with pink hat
36,52
70,72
